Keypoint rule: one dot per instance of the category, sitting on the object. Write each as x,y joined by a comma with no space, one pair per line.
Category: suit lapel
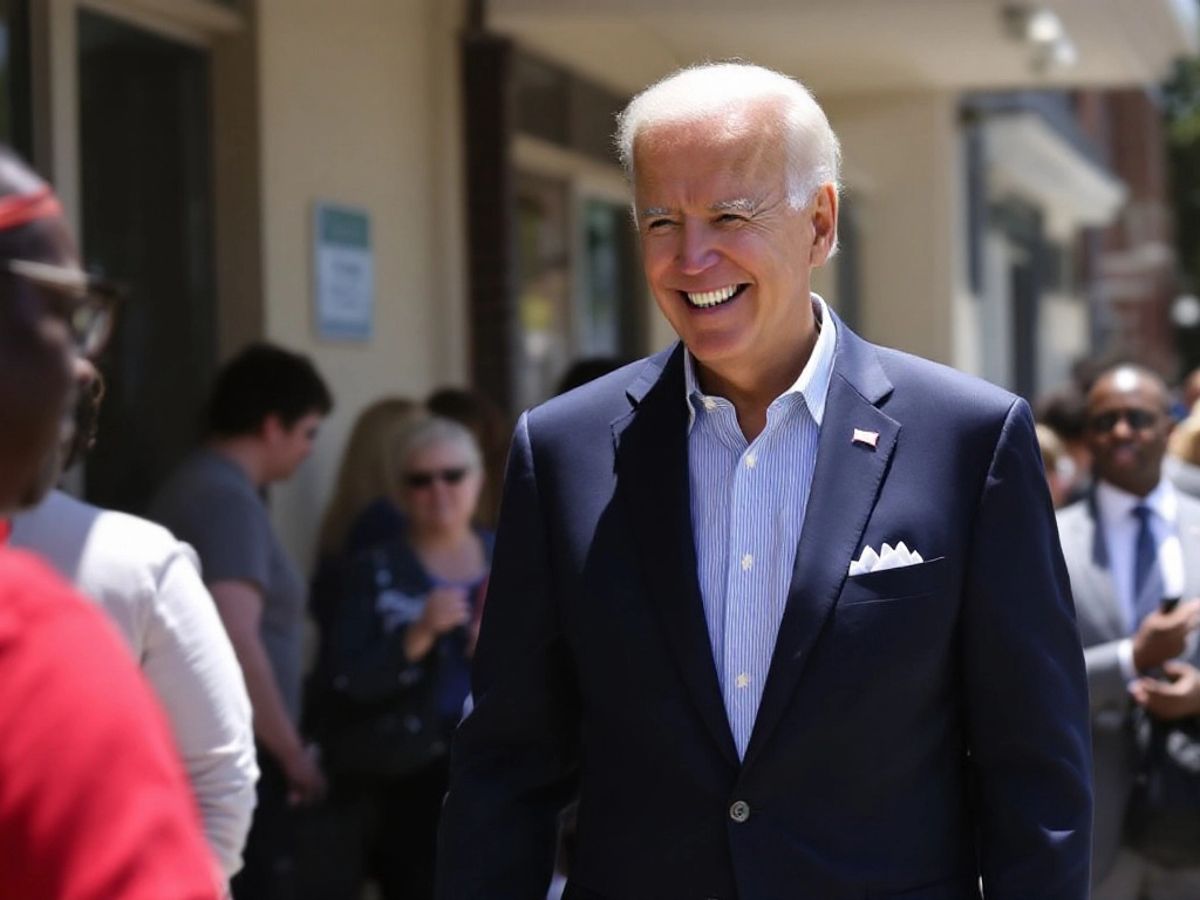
653,482
1098,585
845,486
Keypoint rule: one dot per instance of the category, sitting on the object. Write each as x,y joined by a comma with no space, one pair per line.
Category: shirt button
747,562
710,404
751,460
743,680
740,811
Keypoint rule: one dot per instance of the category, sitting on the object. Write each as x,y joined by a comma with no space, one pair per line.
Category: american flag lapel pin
870,438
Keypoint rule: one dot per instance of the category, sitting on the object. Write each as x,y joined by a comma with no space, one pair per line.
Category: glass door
146,219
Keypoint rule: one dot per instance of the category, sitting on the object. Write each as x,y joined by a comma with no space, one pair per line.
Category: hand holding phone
1164,633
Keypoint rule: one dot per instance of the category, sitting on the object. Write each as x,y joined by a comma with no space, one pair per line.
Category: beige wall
904,174
358,106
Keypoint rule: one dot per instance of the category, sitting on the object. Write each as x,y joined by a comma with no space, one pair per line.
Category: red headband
21,209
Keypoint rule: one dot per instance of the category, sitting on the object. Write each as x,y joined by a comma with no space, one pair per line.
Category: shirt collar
813,383
1117,505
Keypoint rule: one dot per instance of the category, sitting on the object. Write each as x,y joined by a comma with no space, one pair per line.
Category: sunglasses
1138,419
86,303
417,480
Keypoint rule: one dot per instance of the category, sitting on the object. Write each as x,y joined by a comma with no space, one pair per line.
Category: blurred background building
1007,206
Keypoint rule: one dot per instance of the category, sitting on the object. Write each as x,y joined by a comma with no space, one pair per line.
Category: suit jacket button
740,811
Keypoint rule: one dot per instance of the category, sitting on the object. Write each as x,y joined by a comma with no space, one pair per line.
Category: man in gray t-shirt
266,407
211,503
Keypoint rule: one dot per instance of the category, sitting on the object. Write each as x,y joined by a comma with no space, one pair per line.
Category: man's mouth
711,299
1124,455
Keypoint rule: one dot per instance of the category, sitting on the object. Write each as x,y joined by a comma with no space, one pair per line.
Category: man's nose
697,252
1121,429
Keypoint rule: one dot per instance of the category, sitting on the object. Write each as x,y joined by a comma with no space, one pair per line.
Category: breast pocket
890,585
890,639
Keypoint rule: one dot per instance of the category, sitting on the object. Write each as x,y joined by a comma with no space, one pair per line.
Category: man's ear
271,428
824,220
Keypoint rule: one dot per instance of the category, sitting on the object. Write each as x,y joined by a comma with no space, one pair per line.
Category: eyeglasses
88,304
1138,419
418,480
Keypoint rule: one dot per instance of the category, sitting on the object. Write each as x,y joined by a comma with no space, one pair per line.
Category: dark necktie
1147,579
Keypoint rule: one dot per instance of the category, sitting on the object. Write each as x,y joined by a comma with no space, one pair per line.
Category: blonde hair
1184,442
1051,446
366,472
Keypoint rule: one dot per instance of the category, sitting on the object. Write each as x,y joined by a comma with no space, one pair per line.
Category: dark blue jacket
362,669
920,727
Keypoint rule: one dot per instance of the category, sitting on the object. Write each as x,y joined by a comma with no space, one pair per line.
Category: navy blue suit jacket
920,727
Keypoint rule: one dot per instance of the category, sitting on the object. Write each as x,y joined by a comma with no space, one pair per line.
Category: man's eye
730,218
658,224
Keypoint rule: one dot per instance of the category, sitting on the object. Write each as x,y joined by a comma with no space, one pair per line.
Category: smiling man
785,608
1133,542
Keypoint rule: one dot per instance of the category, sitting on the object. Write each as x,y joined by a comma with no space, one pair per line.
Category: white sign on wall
343,273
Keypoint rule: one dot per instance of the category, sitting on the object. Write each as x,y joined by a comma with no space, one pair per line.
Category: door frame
54,81
54,55
229,36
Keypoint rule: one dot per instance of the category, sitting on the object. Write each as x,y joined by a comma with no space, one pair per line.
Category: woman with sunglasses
395,664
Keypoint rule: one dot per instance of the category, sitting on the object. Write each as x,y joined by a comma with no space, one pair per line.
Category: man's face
36,377
727,257
1127,429
288,447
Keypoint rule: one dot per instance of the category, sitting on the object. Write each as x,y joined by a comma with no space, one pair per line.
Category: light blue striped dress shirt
748,502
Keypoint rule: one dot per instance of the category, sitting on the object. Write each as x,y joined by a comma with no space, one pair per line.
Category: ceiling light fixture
1041,29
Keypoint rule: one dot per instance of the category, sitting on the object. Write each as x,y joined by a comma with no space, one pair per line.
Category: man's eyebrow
738,204
651,211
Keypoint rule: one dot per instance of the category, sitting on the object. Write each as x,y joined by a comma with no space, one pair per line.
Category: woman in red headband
93,801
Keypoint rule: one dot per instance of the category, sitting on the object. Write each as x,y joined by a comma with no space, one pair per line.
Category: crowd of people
262,780
352,756
751,609
198,613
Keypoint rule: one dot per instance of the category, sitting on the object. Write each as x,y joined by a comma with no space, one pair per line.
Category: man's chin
47,477
1131,480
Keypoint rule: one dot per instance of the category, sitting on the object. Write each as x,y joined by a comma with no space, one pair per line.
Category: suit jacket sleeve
1025,685
1108,686
513,759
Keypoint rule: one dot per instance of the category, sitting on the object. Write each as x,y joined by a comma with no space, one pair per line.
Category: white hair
426,431
721,90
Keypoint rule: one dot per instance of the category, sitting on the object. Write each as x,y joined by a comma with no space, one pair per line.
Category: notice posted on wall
343,273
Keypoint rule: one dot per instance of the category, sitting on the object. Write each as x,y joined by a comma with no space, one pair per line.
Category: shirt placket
747,583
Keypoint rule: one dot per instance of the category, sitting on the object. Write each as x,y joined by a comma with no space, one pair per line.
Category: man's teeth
712,298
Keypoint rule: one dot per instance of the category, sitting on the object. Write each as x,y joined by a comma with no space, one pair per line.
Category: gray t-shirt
210,503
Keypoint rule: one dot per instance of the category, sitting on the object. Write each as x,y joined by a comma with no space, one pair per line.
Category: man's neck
245,452
1140,491
752,389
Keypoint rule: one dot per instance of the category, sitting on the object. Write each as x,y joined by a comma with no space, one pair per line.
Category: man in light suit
1118,600
786,608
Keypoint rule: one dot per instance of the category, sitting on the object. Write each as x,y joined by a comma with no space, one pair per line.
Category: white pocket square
888,557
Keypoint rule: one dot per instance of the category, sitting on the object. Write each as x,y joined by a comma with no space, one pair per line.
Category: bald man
1131,543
